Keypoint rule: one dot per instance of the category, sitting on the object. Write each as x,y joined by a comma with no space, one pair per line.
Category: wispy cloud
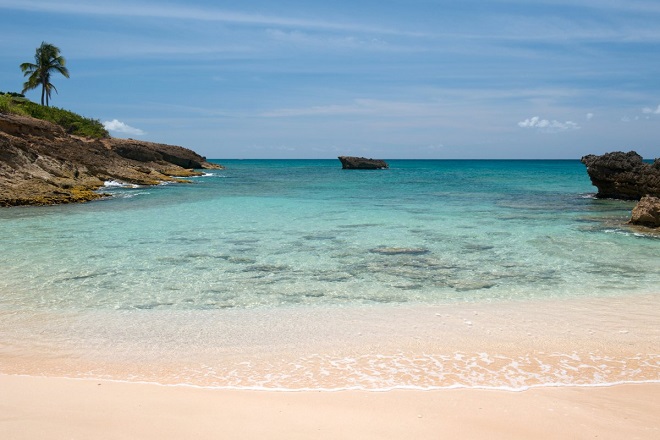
184,12
120,127
363,107
651,111
547,125
342,42
638,6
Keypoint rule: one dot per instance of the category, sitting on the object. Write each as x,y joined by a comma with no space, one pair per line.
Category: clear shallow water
286,233
209,272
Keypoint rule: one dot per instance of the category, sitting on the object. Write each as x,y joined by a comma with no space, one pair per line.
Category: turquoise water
280,233
300,275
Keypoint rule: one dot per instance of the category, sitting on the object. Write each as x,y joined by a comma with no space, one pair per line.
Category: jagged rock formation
158,153
647,212
621,175
361,163
41,164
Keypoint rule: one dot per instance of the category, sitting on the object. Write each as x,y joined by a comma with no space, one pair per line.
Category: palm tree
47,59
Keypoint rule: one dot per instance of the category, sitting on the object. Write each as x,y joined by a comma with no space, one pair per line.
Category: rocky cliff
626,176
621,175
41,164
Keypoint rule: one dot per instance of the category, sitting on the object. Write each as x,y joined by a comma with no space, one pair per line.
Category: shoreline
491,346
34,403
59,408
402,388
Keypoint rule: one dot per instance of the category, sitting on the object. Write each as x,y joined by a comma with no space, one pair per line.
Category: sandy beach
511,345
55,408
617,338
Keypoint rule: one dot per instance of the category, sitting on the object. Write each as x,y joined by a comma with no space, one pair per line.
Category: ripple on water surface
273,236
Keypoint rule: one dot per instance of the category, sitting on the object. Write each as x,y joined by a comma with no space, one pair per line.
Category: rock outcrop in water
361,163
647,212
621,175
40,164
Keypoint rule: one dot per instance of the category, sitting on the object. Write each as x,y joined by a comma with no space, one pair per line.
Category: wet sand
508,344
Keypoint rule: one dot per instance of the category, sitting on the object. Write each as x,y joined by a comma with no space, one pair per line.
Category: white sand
54,408
623,330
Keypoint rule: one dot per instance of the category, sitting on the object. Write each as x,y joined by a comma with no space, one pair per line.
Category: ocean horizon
296,274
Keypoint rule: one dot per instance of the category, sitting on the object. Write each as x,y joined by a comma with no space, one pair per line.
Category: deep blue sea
267,235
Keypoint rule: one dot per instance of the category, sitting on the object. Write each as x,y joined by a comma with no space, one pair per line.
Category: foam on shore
500,345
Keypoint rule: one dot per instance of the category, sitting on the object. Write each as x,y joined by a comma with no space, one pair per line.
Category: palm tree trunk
43,93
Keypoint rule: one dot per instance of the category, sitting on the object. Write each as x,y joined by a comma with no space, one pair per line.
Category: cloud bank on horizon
443,79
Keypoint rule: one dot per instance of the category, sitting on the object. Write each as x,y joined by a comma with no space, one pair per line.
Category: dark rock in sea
362,163
647,212
41,164
621,175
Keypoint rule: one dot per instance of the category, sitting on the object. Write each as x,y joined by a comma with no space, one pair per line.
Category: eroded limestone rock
621,175
40,164
647,212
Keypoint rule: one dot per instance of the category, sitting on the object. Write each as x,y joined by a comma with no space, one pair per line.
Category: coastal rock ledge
361,163
621,175
40,164
647,212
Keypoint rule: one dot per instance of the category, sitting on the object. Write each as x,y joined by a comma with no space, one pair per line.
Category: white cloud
547,125
649,110
187,12
590,116
120,127
374,107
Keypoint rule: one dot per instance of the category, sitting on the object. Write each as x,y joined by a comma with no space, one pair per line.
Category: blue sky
387,79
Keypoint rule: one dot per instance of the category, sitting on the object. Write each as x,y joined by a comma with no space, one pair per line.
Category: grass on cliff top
71,122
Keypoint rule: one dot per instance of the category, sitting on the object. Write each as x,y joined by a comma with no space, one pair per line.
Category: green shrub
71,122
8,105
13,94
